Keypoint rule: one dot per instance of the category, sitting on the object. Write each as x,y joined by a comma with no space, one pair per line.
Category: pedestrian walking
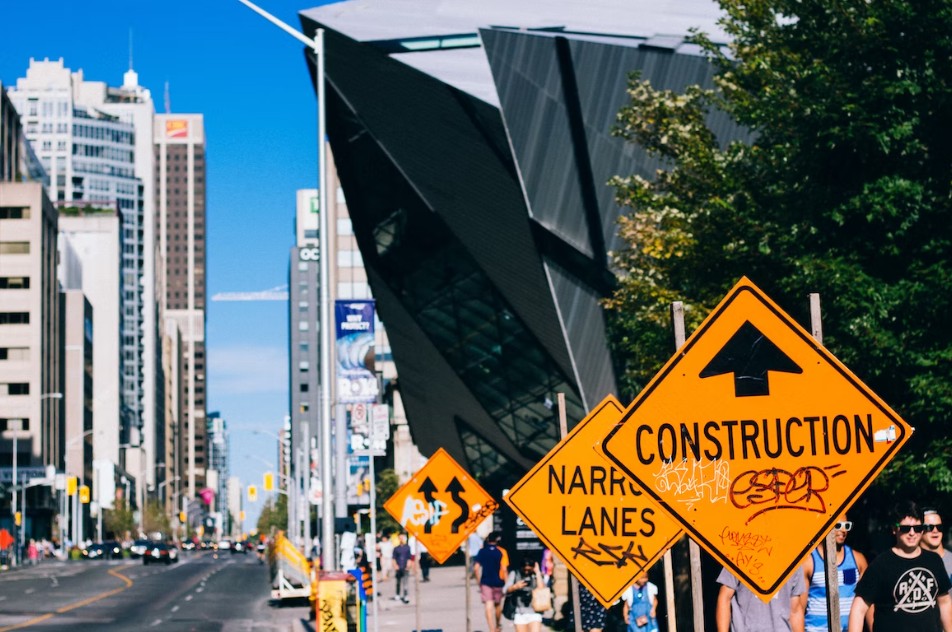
385,547
907,587
740,610
933,535
33,553
850,566
490,572
402,565
641,605
519,586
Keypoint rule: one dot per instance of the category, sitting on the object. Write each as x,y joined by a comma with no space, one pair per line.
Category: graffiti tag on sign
441,505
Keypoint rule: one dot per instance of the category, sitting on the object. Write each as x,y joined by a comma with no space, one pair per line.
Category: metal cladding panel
452,150
585,325
536,87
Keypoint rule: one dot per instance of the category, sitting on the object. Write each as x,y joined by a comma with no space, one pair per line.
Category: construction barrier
290,570
338,607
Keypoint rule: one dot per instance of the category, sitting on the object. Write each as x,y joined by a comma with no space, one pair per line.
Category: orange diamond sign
601,524
755,438
441,505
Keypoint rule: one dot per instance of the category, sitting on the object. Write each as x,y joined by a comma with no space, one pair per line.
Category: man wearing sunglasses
933,536
850,566
907,586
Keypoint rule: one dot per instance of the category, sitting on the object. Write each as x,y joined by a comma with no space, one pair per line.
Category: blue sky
250,81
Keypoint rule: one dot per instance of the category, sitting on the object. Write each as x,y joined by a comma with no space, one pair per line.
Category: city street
203,591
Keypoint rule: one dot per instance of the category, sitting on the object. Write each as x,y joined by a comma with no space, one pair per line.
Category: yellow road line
73,606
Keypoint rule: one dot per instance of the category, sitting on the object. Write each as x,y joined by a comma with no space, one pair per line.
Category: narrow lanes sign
600,523
755,438
441,505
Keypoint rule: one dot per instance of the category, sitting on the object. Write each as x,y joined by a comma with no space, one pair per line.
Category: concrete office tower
92,236
180,232
348,281
173,368
132,104
89,154
30,344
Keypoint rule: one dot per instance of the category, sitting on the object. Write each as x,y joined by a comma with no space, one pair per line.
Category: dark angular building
474,159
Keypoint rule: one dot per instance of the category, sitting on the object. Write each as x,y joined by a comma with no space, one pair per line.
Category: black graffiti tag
613,555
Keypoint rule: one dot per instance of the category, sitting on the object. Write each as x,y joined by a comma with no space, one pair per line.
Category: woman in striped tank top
850,566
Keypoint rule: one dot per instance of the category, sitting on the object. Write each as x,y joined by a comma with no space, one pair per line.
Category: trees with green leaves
274,514
842,188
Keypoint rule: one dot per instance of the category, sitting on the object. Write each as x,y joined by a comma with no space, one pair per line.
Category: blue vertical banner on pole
356,380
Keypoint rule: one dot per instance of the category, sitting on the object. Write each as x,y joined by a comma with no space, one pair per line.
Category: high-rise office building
218,457
31,389
180,240
90,156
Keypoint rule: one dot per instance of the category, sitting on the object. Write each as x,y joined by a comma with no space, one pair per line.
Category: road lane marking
155,623
73,606
188,597
175,608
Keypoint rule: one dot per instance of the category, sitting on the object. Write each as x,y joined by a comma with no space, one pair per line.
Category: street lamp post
329,559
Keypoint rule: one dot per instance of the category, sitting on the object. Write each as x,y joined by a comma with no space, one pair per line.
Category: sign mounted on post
441,505
601,524
755,438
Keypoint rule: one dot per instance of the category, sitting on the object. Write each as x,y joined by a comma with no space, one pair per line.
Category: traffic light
18,519
71,484
252,493
84,494
182,517
268,482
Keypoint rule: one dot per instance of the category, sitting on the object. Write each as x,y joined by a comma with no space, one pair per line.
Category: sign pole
829,543
373,535
466,559
697,598
573,582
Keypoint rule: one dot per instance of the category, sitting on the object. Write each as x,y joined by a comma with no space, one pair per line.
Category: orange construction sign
755,438
441,505
600,523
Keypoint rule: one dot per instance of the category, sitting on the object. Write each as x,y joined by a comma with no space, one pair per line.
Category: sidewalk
442,606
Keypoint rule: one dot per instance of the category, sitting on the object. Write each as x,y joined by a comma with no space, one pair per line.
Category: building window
14,353
14,212
5,423
15,388
14,247
14,283
303,326
344,227
305,388
304,365
14,318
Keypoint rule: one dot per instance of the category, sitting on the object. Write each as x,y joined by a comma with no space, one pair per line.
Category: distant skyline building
180,170
218,457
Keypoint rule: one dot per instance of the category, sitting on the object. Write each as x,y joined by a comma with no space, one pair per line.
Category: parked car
188,545
240,546
159,552
224,545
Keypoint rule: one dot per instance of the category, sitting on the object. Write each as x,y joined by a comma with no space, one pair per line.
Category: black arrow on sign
749,355
456,489
428,489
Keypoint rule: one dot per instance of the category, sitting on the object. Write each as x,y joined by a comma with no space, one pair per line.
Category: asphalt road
204,592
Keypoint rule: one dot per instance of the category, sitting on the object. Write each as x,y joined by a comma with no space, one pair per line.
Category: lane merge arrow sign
441,505
755,438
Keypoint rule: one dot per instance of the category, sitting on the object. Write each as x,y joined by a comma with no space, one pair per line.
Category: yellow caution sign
755,438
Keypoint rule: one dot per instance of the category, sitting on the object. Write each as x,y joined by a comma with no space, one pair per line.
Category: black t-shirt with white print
905,591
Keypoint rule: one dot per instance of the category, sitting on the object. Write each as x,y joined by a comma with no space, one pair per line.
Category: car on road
224,545
240,546
159,552
138,548
108,550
